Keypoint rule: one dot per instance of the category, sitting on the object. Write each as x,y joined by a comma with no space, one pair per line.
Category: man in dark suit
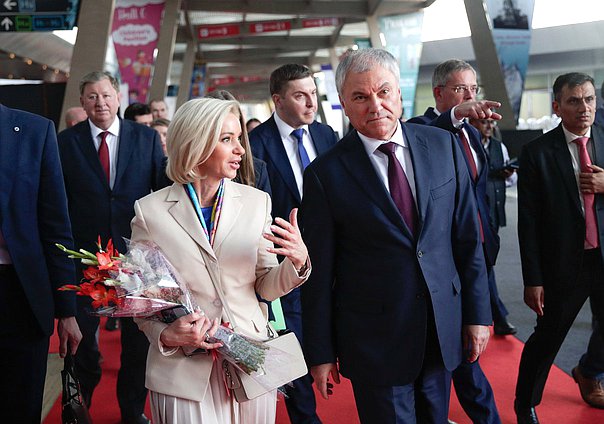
454,88
391,225
108,164
589,372
288,141
33,217
560,229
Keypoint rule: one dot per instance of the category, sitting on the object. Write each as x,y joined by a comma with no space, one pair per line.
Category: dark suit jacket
33,214
94,208
491,239
365,301
551,226
428,116
267,146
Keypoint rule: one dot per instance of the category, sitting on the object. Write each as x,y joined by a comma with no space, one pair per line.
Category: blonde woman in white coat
236,242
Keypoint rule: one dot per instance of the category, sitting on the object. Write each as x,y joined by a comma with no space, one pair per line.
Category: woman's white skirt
217,407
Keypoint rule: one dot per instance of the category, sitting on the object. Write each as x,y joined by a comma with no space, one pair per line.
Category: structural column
89,51
184,87
165,50
491,75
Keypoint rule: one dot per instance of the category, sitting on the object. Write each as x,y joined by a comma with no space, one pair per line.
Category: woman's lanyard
216,210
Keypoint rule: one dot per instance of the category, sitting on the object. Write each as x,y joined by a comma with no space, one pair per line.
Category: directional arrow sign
9,5
6,24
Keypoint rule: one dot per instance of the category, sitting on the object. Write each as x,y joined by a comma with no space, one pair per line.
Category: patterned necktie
468,151
591,226
473,170
104,154
304,159
400,191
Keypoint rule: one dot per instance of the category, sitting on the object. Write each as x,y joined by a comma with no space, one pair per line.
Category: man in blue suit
33,217
288,141
454,88
108,164
391,225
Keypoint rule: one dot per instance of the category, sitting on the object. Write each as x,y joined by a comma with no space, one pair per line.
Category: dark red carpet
561,401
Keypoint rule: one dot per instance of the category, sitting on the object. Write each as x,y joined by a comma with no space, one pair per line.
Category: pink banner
135,34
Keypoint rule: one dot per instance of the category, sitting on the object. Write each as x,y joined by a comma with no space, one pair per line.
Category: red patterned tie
591,225
398,184
104,155
473,169
468,151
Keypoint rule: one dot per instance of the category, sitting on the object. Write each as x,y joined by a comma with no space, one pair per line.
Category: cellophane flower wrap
142,283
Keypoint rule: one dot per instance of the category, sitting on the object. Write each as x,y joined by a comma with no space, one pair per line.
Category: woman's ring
207,338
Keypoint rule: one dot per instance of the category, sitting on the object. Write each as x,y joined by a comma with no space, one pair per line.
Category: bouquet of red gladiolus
137,284
142,283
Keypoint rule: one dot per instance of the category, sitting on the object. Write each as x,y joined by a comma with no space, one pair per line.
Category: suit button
420,254
217,303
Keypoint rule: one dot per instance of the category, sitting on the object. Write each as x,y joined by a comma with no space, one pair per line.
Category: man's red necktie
398,184
473,169
591,225
104,154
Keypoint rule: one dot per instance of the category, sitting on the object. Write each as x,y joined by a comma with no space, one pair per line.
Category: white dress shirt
112,141
291,148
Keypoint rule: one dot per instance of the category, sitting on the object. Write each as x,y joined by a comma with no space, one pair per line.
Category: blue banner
403,38
511,27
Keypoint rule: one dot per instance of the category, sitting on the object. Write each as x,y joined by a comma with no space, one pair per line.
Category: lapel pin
16,129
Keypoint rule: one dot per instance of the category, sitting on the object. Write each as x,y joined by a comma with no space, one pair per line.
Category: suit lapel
355,160
420,156
597,135
276,151
9,152
564,163
321,144
184,213
126,146
231,207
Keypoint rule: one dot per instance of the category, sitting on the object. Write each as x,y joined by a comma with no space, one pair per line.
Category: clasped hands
194,330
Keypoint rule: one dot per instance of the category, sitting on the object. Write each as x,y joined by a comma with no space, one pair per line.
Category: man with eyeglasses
454,88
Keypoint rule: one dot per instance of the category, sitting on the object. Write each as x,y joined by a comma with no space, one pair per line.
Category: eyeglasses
463,89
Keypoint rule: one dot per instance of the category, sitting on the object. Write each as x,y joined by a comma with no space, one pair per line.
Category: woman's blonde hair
193,135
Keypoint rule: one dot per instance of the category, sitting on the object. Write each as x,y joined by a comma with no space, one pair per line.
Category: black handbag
74,410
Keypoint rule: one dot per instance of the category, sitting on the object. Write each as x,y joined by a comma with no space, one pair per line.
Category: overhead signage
320,22
37,15
215,31
270,26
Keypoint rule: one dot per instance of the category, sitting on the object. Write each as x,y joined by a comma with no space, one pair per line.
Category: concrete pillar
94,28
491,75
184,87
165,50
374,31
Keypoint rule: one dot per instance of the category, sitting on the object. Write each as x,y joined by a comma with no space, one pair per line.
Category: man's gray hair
97,76
443,71
363,60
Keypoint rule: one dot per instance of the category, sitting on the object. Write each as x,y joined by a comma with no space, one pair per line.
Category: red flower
69,287
100,295
106,262
94,275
